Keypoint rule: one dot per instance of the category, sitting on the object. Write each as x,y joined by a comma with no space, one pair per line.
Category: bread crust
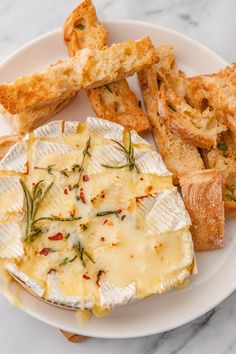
202,195
88,68
116,102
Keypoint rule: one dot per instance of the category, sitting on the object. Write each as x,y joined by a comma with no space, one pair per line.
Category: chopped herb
49,169
231,196
129,154
67,235
158,83
232,186
77,197
104,213
76,167
82,253
223,147
140,104
80,26
67,260
108,88
64,172
83,227
172,107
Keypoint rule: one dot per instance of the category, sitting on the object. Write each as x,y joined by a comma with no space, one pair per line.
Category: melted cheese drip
122,250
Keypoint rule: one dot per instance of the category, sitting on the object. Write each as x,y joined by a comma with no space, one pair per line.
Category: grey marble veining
213,23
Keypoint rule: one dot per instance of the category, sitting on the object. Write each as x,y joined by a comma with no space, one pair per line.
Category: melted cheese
143,247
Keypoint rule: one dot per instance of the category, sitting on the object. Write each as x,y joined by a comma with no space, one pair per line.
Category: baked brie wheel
89,217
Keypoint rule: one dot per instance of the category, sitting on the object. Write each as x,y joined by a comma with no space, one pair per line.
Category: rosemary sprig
32,203
67,260
57,218
81,166
82,253
129,155
50,169
231,196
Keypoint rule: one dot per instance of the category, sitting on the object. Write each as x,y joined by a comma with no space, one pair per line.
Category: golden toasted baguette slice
116,101
179,156
30,119
202,195
218,91
6,142
88,68
198,128
82,29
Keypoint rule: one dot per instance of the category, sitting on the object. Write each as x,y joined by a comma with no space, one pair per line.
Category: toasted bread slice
200,129
88,68
202,195
30,119
219,91
82,29
6,142
179,156
115,102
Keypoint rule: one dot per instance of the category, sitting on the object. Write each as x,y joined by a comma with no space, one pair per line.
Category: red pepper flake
72,213
108,222
141,178
119,211
105,221
65,191
70,187
122,218
85,178
102,194
82,196
86,276
45,251
102,238
51,270
56,237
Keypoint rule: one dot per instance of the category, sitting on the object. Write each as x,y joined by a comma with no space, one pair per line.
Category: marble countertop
213,23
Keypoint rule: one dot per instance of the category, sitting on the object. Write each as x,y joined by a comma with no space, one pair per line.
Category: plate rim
214,303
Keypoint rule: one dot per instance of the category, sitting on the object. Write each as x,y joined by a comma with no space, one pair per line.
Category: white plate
216,277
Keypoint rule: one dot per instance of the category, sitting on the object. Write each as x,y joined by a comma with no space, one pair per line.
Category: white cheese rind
43,148
105,128
173,282
16,159
137,139
70,128
9,186
11,245
50,130
111,295
55,295
32,284
107,155
168,213
151,162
